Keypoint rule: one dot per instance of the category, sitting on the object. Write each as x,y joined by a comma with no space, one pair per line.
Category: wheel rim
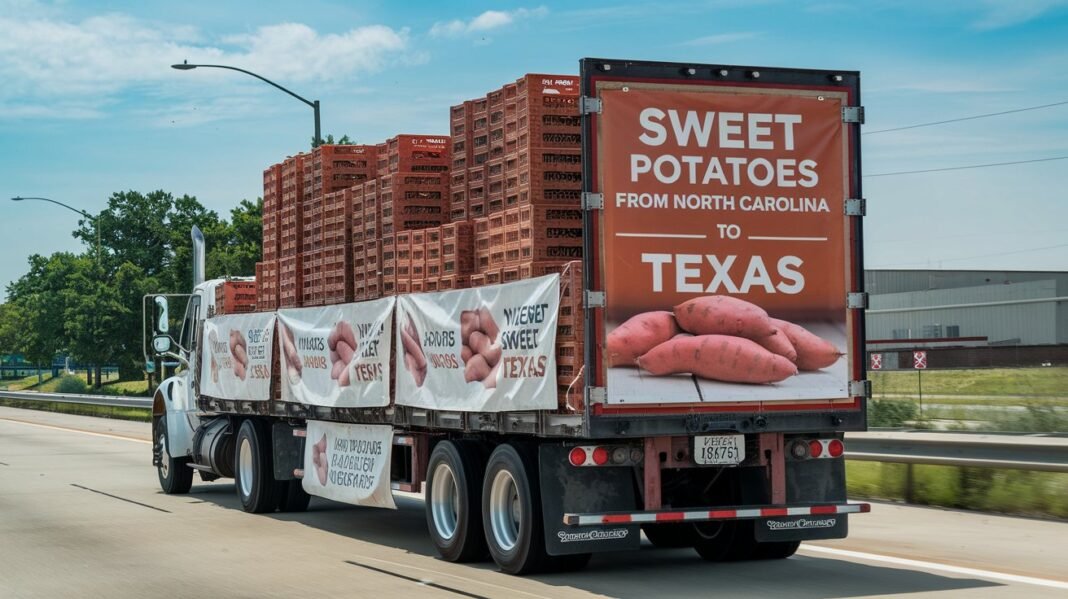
445,501
505,510
244,467
711,530
164,457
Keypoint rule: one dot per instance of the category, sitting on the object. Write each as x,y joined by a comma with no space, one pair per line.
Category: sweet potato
780,344
468,323
478,342
465,353
719,358
813,352
639,334
492,354
345,351
477,369
487,324
723,315
490,382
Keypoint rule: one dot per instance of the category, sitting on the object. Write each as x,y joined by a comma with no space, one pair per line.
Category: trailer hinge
594,299
592,201
860,389
856,207
853,114
857,300
596,395
591,105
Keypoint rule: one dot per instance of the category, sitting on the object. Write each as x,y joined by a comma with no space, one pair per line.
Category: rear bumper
719,513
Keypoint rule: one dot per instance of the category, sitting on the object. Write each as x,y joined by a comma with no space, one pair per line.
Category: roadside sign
876,361
919,360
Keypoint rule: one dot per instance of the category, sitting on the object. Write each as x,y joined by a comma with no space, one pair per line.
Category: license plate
719,450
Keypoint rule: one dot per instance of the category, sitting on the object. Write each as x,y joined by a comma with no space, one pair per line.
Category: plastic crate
290,287
448,282
235,297
418,154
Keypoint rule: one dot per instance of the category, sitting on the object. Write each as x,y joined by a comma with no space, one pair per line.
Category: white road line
663,235
463,578
76,430
912,563
765,238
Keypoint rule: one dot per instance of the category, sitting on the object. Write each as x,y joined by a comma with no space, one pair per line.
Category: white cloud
1006,13
48,63
489,20
722,38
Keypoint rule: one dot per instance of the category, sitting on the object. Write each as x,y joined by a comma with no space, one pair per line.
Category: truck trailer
719,300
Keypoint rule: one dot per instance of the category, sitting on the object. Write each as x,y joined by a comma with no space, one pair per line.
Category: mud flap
288,451
565,488
801,528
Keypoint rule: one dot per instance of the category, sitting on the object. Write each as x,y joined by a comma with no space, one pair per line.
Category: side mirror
162,320
161,344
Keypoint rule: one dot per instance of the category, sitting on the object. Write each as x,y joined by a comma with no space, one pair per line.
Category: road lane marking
912,563
426,583
151,507
78,430
440,573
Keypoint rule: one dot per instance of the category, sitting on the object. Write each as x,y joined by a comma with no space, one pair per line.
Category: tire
293,497
511,512
744,546
776,550
254,479
670,536
175,475
714,540
453,500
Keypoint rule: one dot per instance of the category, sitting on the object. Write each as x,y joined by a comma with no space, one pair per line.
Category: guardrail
111,401
1012,452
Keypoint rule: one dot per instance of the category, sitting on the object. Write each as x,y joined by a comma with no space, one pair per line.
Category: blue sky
89,106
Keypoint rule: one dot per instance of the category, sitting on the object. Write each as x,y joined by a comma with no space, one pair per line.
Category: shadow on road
649,572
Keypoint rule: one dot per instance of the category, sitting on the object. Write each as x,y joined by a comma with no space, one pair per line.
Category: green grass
133,388
1041,382
1018,493
23,383
138,414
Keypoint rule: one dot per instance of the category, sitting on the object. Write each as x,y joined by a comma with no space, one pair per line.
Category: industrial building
958,309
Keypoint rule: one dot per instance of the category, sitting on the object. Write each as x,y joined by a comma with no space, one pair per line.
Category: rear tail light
600,456
804,449
577,457
815,448
835,448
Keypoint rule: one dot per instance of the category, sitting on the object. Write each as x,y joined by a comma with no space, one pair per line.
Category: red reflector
670,517
773,511
600,456
815,448
577,457
835,448
616,519
824,509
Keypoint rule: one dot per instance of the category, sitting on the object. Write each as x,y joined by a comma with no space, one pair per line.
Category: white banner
236,357
337,356
349,463
486,349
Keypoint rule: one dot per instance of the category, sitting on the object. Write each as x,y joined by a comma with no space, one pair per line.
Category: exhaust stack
198,256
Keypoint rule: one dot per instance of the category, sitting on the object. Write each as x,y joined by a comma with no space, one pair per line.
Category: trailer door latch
860,389
856,207
595,299
853,114
857,300
592,201
591,105
596,395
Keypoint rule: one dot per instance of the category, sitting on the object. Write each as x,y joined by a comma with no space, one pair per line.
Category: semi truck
720,301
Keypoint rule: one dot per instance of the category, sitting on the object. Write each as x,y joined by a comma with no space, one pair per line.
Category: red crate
551,92
418,154
382,159
272,201
337,218
476,280
312,278
267,285
312,223
492,276
457,249
550,233
290,285
235,297
290,225
448,282
337,167
430,284
337,275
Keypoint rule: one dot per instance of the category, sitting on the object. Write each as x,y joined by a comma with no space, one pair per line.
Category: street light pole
96,223
185,66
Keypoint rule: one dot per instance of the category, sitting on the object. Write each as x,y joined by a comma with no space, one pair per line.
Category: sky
89,105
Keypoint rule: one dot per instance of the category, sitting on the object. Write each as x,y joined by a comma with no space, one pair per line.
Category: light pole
185,66
96,223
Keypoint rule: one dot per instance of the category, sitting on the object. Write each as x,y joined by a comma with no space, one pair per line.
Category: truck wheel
293,497
744,545
714,540
253,470
511,512
175,475
670,536
453,489
776,550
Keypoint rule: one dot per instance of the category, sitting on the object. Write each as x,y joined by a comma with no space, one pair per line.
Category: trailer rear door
723,181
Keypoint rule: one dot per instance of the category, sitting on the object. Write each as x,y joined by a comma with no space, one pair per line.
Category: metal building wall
879,282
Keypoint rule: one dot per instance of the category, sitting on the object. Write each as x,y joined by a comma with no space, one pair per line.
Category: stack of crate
267,268
290,287
312,245
570,336
337,247
235,297
457,255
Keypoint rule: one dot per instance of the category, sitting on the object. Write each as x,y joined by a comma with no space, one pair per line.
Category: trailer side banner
236,357
486,349
349,463
723,207
337,356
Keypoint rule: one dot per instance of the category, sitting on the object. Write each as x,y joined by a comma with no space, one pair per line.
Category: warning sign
919,360
876,361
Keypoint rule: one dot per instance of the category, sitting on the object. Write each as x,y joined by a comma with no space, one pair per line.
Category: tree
41,299
239,248
9,328
329,140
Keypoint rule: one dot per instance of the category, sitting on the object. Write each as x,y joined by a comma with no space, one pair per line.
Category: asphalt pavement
81,515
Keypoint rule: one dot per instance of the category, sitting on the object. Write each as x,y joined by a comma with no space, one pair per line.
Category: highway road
81,515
